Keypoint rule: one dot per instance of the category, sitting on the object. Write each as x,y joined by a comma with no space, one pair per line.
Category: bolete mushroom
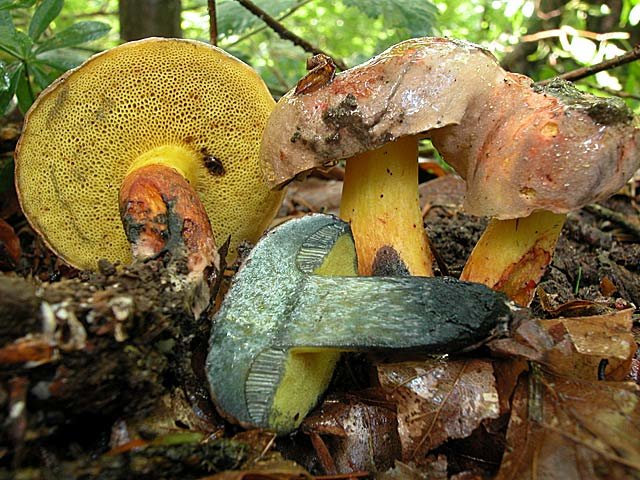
524,151
170,126
529,156
373,115
296,303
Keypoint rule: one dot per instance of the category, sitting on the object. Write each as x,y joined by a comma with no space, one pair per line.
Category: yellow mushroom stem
161,211
380,201
512,255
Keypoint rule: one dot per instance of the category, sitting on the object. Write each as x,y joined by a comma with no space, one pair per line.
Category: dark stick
614,217
213,24
630,56
286,34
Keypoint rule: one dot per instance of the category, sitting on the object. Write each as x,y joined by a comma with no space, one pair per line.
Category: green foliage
30,60
411,18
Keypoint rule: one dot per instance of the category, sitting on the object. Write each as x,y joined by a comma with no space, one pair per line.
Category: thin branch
286,34
279,19
630,56
614,217
615,93
213,24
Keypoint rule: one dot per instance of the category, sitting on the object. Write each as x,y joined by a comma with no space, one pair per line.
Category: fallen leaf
439,400
575,346
432,468
507,373
313,195
358,435
572,429
10,250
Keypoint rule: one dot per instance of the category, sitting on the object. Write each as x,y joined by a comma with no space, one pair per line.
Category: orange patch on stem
161,211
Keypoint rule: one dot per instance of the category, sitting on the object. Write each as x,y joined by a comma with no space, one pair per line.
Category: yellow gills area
174,156
512,255
308,372
380,200
137,98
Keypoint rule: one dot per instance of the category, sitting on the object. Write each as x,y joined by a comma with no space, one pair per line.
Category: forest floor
115,389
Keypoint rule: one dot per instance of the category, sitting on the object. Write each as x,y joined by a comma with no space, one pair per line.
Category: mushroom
529,156
161,134
296,303
521,150
373,115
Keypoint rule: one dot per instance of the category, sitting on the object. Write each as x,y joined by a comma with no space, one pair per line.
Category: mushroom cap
411,88
84,132
522,149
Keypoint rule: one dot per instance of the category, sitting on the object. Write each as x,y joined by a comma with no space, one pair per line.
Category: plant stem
630,56
286,34
279,19
213,24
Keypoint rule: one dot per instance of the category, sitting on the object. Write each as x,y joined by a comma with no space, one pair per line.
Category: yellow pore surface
86,130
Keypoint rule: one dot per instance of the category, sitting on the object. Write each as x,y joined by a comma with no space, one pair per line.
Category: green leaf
14,72
75,35
416,18
43,16
6,21
62,60
234,19
24,93
42,74
15,42
4,77
13,4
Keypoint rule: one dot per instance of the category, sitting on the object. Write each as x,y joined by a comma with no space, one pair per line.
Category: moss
605,111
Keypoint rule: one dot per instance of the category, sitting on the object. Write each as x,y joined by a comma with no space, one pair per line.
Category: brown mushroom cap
520,149
554,148
411,88
85,131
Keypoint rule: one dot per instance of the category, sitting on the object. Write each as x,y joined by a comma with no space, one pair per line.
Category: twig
213,24
615,93
279,19
630,56
286,34
614,217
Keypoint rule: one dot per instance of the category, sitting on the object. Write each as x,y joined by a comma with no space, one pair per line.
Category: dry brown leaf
572,429
586,341
10,250
576,346
262,463
446,192
439,400
359,436
313,195
432,468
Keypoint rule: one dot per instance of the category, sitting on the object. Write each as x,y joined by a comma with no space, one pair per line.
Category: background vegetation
540,38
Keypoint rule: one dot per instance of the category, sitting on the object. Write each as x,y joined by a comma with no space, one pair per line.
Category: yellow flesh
512,255
84,132
179,158
380,200
308,373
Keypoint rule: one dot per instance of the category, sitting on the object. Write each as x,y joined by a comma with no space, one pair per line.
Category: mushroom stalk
512,255
295,305
160,212
380,201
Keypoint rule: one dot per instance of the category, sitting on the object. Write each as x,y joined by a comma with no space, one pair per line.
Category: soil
81,378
